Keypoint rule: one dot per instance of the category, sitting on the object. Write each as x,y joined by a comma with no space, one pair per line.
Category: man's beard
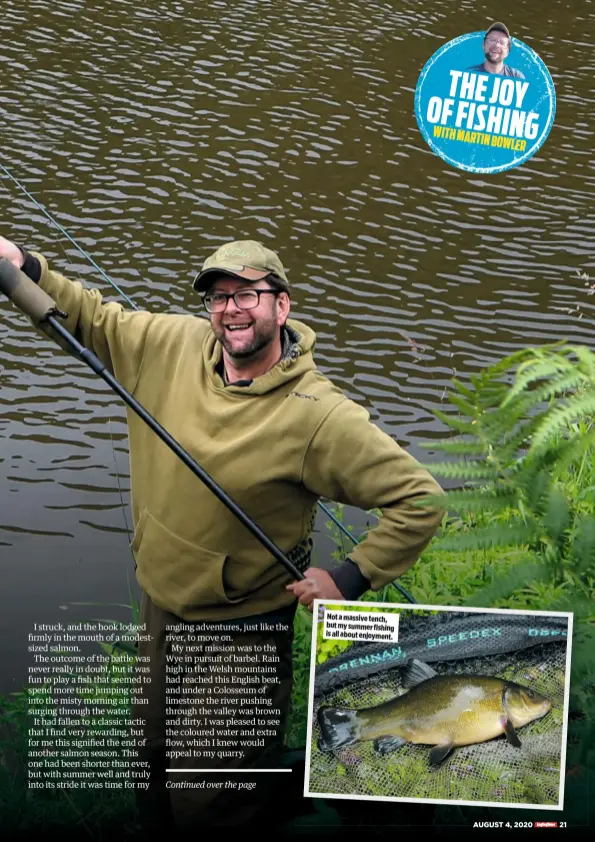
495,58
263,333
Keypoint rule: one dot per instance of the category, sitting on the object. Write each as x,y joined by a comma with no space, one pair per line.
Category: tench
439,710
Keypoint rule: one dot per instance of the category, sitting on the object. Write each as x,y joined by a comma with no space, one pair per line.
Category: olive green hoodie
274,446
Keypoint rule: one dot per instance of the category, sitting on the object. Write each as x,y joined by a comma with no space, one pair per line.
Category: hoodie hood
297,360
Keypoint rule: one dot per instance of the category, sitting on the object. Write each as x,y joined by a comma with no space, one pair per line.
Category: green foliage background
519,531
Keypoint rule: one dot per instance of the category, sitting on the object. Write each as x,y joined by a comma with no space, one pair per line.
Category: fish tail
338,727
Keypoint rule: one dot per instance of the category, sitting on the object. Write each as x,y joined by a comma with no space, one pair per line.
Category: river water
153,133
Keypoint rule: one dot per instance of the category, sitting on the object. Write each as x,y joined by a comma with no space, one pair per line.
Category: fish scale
453,708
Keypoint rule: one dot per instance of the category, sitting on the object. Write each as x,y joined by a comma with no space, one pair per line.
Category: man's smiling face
244,333
496,47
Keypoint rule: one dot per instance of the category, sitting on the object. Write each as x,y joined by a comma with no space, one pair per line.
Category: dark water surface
154,134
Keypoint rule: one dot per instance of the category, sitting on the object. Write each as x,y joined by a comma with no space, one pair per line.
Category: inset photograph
440,704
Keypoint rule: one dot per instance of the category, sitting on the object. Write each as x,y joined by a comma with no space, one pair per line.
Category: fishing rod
112,283
41,308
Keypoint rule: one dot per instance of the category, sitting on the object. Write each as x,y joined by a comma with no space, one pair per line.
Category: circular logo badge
485,102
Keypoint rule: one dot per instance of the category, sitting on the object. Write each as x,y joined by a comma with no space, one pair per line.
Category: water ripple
169,128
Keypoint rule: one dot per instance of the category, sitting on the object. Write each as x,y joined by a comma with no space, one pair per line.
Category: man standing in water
241,392
496,47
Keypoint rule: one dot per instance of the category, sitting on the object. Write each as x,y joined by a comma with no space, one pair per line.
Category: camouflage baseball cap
247,260
499,27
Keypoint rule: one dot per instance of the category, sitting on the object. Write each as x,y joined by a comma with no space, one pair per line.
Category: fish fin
440,753
511,734
338,727
416,672
385,745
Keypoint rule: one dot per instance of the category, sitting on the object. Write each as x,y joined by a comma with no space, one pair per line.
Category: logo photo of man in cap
496,47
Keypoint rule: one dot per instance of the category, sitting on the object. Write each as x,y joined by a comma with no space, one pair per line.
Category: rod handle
25,293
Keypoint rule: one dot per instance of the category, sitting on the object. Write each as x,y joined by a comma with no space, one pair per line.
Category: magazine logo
485,102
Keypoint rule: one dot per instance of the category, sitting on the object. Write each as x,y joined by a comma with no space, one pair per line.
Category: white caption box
361,625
